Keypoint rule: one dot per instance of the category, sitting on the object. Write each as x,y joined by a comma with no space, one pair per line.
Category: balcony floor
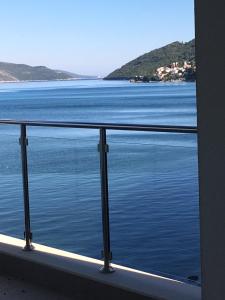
14,288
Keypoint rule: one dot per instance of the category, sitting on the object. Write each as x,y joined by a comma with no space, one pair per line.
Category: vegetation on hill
21,72
147,64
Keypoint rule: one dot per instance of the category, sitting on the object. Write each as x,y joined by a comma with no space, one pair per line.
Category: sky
91,37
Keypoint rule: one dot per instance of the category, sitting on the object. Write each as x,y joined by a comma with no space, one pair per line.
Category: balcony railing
103,152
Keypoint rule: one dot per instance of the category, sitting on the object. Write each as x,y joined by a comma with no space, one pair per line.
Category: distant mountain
21,72
147,64
76,76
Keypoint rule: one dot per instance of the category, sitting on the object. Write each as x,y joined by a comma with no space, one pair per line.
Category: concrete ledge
79,276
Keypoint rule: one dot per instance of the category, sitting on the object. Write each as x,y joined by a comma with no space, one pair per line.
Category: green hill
146,64
21,72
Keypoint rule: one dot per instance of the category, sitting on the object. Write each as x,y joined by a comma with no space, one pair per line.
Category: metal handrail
103,150
109,126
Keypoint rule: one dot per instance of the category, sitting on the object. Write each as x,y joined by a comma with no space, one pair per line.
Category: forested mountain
146,65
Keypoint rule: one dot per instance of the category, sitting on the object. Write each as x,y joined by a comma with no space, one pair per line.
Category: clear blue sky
92,36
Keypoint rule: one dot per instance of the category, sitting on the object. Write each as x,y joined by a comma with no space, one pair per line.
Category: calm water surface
152,176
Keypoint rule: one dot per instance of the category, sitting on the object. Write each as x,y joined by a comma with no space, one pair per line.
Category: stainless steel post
23,145
107,255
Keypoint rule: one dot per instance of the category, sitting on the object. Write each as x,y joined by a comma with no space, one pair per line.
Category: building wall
210,48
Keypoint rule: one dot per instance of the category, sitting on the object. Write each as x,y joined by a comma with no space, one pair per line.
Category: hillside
21,72
147,64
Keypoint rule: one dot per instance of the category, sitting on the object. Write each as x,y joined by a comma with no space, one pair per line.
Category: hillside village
176,71
185,71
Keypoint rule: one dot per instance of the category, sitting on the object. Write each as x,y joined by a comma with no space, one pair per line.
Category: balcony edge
73,274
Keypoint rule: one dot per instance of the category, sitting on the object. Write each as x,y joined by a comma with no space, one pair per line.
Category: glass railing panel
11,193
65,191
153,195
154,214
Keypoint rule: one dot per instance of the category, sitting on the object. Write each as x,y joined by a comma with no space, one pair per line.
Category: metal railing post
107,255
23,145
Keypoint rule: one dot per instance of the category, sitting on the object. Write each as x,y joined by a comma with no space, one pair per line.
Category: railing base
105,270
28,248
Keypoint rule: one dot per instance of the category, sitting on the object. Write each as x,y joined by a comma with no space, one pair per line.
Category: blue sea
153,177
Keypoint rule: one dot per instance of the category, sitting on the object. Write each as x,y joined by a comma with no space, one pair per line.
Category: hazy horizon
90,38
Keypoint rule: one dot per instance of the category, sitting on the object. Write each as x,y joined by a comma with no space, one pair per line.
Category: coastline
24,81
